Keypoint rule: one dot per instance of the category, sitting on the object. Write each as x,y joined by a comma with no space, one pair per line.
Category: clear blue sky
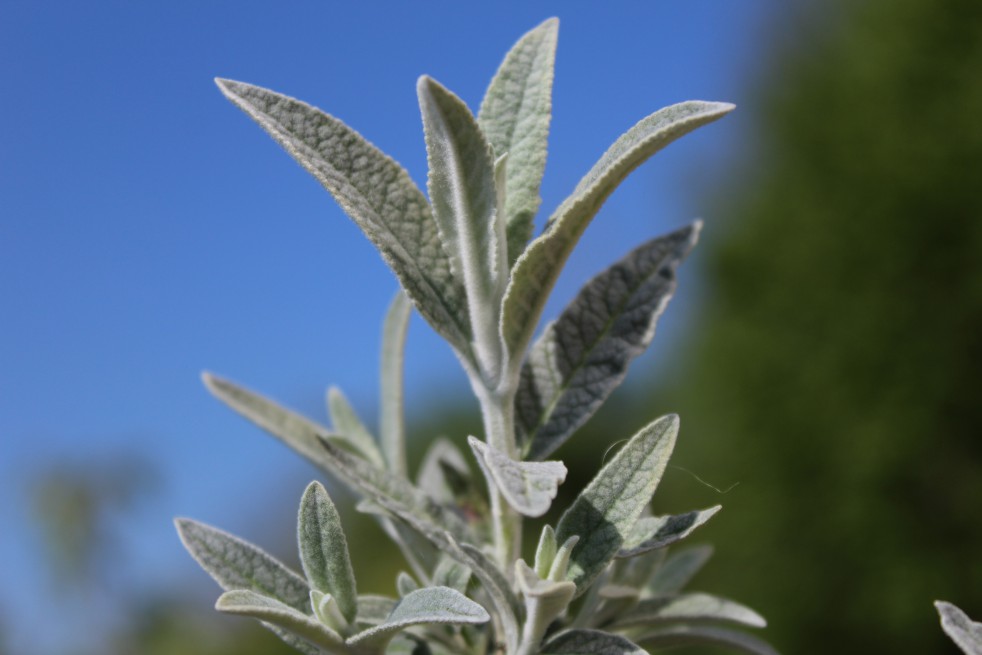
149,230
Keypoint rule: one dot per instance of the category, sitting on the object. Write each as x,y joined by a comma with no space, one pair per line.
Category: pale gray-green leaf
431,478
243,602
651,532
690,607
678,569
966,633
324,550
584,355
237,564
405,584
535,272
545,600
375,192
515,115
529,487
461,187
392,430
695,635
428,605
373,609
350,428
591,642
605,512
451,573
545,551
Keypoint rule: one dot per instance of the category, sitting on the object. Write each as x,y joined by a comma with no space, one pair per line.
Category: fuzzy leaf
605,512
584,355
244,602
451,573
678,569
694,635
967,634
324,550
375,192
690,607
529,487
461,186
350,428
545,601
591,642
545,551
429,605
535,272
515,115
431,478
391,421
652,532
373,609
237,564
405,584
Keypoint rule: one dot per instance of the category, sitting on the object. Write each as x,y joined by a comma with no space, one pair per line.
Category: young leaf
690,607
376,193
237,564
695,635
591,642
678,569
391,423
461,186
584,355
244,602
326,609
967,634
324,550
653,532
373,609
350,428
405,584
529,487
604,513
428,605
545,552
545,601
515,115
535,272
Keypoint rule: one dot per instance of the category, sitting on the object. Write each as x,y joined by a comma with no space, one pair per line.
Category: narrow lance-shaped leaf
966,633
391,417
324,550
462,190
529,487
584,355
591,642
605,512
690,607
694,635
653,532
245,602
429,605
678,570
350,428
535,272
376,193
515,115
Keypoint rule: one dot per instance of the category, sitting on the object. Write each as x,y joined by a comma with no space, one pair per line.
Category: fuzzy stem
497,412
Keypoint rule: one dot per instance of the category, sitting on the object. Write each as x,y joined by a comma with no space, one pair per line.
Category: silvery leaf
535,272
591,642
243,602
545,600
652,532
690,607
373,609
694,635
584,355
605,512
376,193
428,605
324,550
431,479
529,487
405,584
451,573
350,428
515,115
237,564
967,634
462,191
391,419
678,569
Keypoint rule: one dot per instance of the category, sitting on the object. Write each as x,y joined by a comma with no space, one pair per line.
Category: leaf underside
428,605
529,487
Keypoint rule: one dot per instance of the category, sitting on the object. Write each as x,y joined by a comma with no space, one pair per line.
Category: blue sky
149,230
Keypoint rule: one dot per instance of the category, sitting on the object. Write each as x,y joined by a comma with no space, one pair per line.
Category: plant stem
498,414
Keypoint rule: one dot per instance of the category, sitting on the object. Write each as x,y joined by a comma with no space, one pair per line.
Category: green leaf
431,478
515,115
545,551
373,609
429,605
529,487
326,610
690,607
535,272
451,573
967,634
545,600
324,550
237,564
591,642
462,190
350,428
694,635
405,584
375,192
584,355
605,512
243,602
678,569
652,532
391,420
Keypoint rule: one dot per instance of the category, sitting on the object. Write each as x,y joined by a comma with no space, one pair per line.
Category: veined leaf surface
324,550
584,355
652,532
529,487
428,605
